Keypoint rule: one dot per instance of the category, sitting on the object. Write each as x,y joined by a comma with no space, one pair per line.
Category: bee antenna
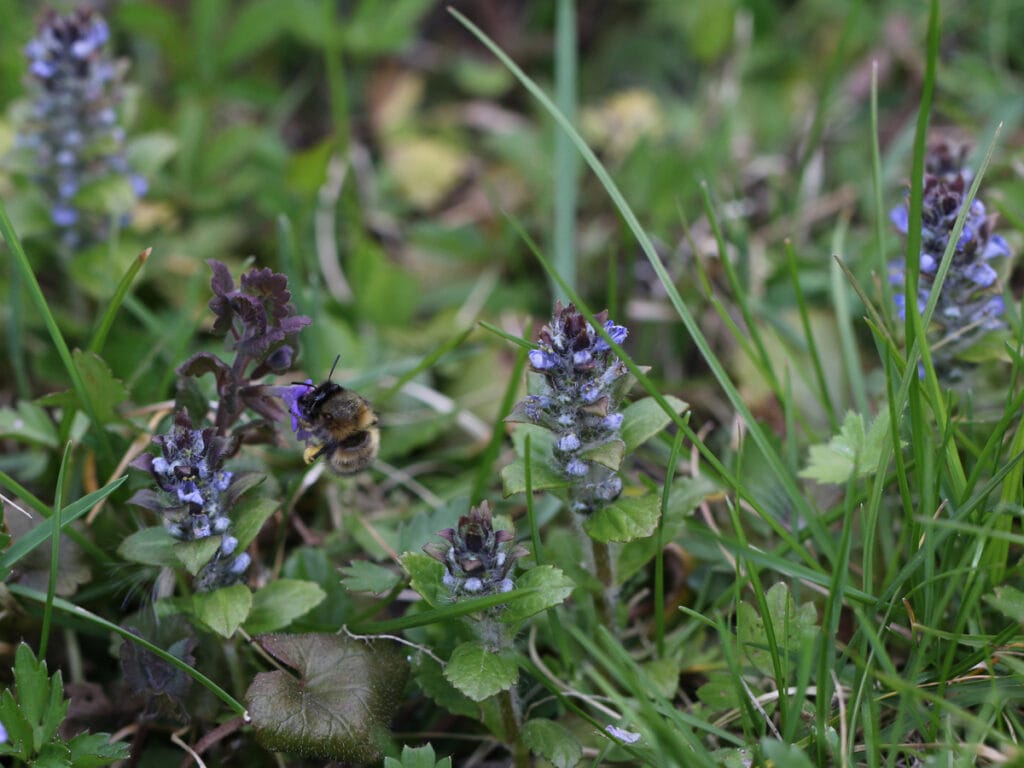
331,374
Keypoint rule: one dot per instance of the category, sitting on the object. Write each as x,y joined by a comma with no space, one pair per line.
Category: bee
339,424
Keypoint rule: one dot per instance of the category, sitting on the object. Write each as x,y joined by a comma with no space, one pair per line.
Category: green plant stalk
561,641
15,335
99,337
32,286
812,345
739,295
110,626
426,363
51,587
485,462
604,569
565,159
659,558
511,721
796,496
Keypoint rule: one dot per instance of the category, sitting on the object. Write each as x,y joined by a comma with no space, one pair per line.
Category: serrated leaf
480,672
420,757
19,729
105,391
625,519
552,741
793,627
644,419
553,587
150,546
95,749
341,702
249,516
280,602
853,451
1009,601
367,576
426,576
28,423
194,555
223,610
32,683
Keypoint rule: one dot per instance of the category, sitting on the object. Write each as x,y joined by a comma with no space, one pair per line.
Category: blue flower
969,303
583,383
75,87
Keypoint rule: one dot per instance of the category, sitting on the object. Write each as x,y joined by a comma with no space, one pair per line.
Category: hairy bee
338,424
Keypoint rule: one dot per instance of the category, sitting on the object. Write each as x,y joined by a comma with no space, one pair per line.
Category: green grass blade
801,506
28,278
565,160
99,337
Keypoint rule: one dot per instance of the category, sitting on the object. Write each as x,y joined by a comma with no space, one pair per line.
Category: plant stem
604,567
511,718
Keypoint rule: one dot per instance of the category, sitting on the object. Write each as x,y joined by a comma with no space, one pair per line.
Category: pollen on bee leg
311,453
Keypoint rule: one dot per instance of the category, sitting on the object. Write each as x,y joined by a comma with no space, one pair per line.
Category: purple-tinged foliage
73,129
478,560
970,303
261,327
583,384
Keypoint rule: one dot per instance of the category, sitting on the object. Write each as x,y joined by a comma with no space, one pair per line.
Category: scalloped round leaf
280,602
150,546
28,423
552,586
480,672
644,419
426,576
552,741
340,703
196,554
628,518
223,610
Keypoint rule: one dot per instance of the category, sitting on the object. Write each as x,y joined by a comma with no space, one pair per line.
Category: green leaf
148,153
793,628
249,517
426,576
552,741
19,729
609,454
544,476
223,610
431,680
852,452
28,423
625,519
280,602
644,419
480,672
340,704
1009,601
553,587
95,749
194,555
367,576
105,391
150,546
788,755
33,684
420,757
